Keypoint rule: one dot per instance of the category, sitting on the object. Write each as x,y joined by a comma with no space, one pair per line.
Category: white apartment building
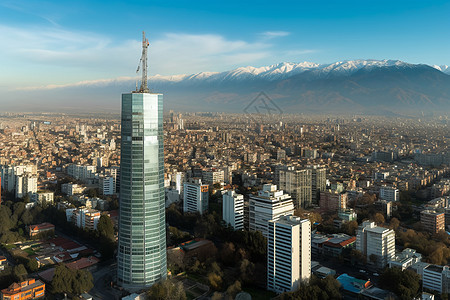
106,185
213,176
196,196
233,209
71,189
269,204
405,259
114,172
377,243
83,217
9,175
26,184
288,253
43,197
81,172
389,193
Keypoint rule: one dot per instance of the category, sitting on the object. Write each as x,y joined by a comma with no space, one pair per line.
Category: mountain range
358,86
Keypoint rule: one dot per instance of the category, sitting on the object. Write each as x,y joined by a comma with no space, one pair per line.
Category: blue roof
351,284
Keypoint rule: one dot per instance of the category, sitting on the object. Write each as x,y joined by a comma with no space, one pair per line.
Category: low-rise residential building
41,228
28,289
389,193
43,197
71,189
3,263
83,217
436,278
405,259
335,245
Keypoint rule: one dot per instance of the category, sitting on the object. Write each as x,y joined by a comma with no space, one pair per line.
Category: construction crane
143,62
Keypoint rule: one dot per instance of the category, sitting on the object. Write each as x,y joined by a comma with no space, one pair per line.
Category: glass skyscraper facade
141,259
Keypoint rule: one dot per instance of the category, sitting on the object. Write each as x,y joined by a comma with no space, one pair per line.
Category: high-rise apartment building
233,209
195,196
141,258
288,253
26,184
268,204
376,243
9,175
106,185
432,221
297,183
318,182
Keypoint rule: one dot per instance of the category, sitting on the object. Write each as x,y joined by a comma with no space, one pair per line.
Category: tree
215,281
227,254
379,219
405,284
26,218
247,269
394,224
20,273
105,227
71,281
166,290
327,288
234,289
350,227
32,265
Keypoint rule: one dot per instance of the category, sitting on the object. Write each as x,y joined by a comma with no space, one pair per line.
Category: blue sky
46,43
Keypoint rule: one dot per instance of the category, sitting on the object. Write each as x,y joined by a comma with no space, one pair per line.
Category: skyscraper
141,259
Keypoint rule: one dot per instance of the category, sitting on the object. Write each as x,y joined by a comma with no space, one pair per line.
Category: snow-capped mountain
442,68
363,86
285,70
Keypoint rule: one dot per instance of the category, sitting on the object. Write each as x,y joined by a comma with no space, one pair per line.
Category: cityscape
283,181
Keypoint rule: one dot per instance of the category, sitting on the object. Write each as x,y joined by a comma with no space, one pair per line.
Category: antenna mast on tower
143,62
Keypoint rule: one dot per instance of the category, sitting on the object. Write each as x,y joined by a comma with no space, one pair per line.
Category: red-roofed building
41,228
82,263
47,275
335,245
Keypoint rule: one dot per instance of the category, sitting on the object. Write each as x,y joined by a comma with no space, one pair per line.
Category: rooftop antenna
143,62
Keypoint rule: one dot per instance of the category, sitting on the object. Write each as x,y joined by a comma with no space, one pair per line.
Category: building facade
288,253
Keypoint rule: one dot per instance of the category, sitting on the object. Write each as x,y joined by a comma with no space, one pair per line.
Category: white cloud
60,56
274,34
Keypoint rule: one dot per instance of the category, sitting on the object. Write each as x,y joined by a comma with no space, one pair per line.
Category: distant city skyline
46,43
